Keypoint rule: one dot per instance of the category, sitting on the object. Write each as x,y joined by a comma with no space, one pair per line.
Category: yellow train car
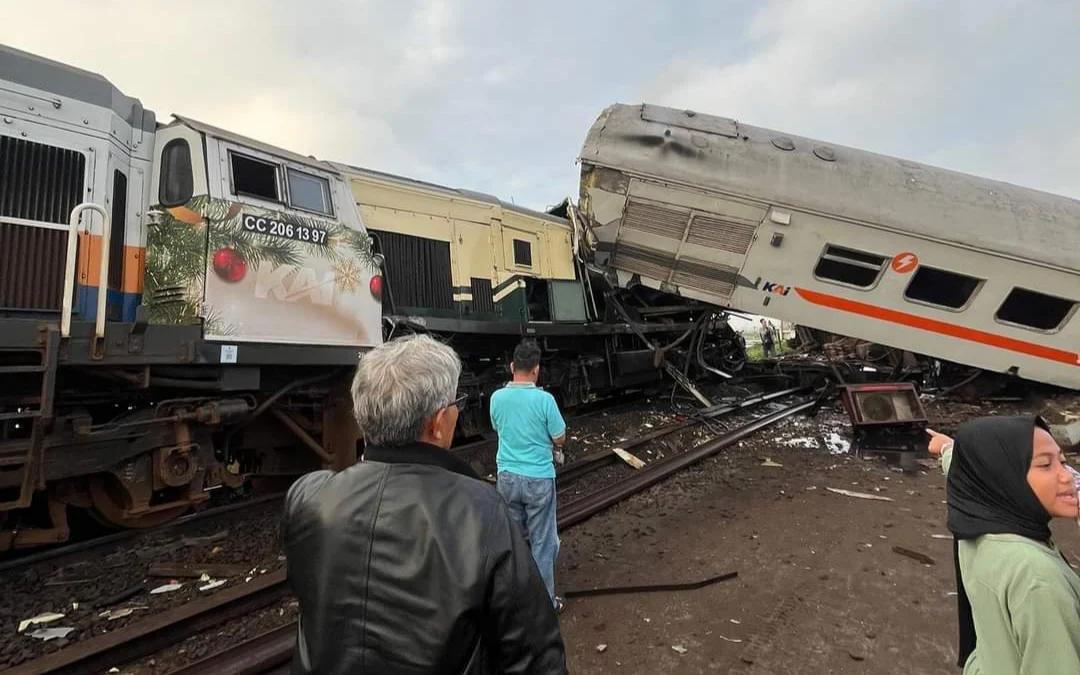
484,274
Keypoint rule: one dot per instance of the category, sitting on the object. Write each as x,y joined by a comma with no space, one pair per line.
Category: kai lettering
775,288
289,283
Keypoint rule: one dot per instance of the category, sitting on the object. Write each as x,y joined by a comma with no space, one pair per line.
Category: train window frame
182,171
1066,317
979,283
528,250
877,278
280,193
327,191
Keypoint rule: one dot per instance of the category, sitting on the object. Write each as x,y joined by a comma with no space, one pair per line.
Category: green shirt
1025,601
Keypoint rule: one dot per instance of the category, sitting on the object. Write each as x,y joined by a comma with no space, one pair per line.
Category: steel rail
584,508
603,458
144,638
271,652
20,562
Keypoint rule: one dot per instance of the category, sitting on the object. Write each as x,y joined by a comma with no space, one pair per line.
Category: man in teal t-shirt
530,427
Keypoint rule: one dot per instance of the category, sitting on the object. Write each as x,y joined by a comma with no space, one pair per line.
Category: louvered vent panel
39,182
656,220
709,277
645,262
724,235
482,295
31,267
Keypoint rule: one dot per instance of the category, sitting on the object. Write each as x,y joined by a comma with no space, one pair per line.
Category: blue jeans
531,502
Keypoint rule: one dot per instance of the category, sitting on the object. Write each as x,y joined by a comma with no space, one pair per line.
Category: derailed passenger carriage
162,288
938,263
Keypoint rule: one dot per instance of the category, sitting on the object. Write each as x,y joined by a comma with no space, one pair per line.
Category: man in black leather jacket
407,563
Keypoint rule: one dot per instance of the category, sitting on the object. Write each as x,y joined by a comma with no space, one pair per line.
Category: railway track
270,652
65,550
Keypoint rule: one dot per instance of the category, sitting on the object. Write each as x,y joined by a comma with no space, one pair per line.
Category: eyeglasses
461,397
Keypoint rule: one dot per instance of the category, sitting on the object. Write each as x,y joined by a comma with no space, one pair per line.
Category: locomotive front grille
39,182
39,186
31,267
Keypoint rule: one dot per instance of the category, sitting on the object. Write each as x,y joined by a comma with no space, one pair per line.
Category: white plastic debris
769,462
47,617
114,614
212,585
601,648
679,648
836,444
47,634
167,588
729,639
860,495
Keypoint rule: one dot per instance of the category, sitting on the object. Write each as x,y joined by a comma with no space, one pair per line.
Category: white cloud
321,80
962,84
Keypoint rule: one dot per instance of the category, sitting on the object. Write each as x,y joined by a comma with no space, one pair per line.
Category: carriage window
522,253
939,287
310,193
1034,310
846,266
254,177
177,182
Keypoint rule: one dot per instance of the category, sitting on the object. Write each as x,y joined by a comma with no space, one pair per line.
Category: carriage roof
721,154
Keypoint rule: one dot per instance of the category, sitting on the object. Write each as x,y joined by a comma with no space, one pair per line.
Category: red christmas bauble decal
229,265
375,286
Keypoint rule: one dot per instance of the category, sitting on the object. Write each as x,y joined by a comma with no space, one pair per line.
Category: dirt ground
819,587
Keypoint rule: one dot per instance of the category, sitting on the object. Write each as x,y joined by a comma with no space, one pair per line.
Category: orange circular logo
904,263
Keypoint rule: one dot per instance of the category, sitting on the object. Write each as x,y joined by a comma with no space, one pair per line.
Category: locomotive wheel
110,500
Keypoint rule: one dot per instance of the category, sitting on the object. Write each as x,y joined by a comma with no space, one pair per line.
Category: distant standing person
768,345
530,430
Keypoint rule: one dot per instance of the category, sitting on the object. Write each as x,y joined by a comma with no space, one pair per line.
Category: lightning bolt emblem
903,263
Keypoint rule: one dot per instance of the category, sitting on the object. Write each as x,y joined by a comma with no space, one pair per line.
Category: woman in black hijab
1018,599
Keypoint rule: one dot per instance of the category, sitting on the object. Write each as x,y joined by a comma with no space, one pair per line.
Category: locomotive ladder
37,411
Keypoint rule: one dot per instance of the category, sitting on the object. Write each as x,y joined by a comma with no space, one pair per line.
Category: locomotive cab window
254,178
1031,309
177,181
522,253
847,266
308,192
941,287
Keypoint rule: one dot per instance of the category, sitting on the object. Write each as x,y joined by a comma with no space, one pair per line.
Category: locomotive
182,307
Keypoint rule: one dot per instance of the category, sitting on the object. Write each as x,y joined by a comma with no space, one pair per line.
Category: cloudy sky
497,96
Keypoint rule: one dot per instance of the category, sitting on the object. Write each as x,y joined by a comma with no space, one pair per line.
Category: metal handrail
69,268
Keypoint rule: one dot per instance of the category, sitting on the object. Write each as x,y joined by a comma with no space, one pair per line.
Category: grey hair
400,384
